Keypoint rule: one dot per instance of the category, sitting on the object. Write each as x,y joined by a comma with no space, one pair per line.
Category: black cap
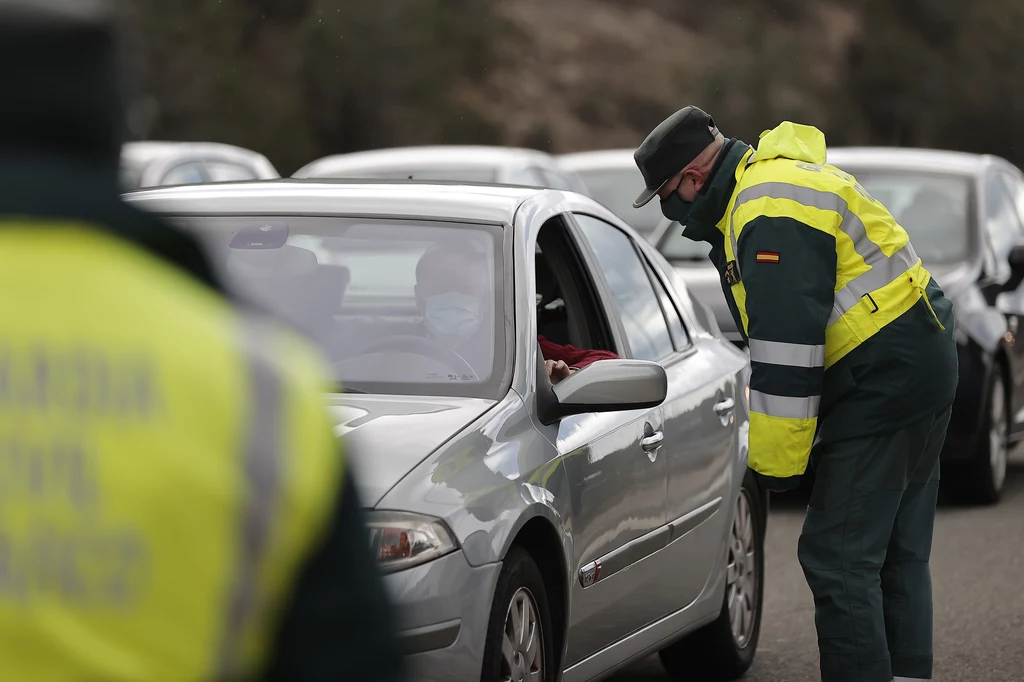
670,147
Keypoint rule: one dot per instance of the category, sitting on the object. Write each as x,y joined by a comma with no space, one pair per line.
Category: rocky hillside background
298,79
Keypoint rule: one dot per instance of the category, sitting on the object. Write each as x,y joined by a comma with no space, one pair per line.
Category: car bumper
443,607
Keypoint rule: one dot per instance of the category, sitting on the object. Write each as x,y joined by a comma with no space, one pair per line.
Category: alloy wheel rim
741,573
998,449
522,645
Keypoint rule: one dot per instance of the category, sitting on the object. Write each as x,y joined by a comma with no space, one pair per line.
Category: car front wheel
725,649
519,645
986,471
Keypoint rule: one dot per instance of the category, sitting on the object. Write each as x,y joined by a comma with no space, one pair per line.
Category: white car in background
448,163
158,164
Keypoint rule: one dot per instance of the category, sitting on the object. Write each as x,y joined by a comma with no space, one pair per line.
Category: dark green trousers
864,550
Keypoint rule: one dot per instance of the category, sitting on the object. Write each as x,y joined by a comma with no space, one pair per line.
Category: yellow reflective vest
816,268
166,463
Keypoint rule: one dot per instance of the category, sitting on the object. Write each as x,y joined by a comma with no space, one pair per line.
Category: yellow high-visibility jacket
173,502
166,465
816,270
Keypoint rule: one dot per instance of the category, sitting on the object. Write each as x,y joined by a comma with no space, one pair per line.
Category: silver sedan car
526,529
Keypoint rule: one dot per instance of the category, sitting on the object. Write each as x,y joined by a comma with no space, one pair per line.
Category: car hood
387,436
703,283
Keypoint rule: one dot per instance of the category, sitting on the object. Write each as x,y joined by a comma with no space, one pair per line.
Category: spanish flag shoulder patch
767,257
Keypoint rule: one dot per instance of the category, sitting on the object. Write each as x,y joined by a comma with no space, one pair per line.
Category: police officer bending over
173,504
854,369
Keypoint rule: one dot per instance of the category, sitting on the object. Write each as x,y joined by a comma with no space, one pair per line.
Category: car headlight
401,540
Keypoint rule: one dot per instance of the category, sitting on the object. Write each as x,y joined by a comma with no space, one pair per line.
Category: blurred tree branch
298,79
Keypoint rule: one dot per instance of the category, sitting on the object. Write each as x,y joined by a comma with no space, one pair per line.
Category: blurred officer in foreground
173,505
852,351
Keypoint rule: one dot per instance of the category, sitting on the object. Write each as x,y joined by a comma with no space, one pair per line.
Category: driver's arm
575,358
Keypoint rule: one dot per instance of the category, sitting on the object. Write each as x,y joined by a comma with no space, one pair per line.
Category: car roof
599,159
147,151
905,158
447,155
436,200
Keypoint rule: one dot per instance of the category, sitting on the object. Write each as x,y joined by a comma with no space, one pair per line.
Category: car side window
675,323
636,300
1002,224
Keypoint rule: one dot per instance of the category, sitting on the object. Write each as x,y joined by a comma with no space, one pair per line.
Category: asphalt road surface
978,583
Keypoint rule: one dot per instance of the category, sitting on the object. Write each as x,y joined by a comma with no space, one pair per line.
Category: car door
700,429
616,474
1012,304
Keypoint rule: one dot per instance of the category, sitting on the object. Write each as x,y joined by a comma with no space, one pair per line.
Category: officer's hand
557,370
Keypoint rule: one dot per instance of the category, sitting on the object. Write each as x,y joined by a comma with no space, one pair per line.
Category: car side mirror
1016,258
606,386
1016,261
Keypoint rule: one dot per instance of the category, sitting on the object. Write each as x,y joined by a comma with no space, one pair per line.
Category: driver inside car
453,293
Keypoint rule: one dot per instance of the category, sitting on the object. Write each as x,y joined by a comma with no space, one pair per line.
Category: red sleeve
572,356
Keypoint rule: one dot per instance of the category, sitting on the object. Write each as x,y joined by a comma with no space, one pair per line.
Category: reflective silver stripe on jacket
784,406
875,278
262,463
883,269
789,354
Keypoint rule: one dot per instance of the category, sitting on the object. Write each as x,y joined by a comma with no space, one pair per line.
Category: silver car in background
156,164
448,163
525,529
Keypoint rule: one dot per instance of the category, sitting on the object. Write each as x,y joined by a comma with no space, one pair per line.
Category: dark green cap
670,147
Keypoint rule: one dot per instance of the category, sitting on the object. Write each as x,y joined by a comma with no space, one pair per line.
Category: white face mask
451,318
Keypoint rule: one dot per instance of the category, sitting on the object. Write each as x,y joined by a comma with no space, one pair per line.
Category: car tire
519,598
982,482
718,651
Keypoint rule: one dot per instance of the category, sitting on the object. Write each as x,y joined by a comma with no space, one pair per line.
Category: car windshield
617,189
931,207
407,307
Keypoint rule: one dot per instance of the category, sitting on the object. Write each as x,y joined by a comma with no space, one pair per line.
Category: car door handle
652,442
726,406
